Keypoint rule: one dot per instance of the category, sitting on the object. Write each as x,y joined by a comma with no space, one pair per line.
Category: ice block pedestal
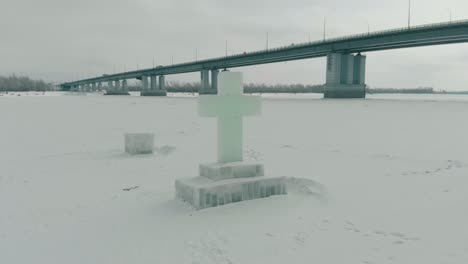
202,192
140,143
230,179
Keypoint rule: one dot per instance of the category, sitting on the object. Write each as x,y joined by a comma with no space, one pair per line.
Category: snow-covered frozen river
380,180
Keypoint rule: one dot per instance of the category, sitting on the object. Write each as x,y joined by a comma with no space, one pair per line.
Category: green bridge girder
418,36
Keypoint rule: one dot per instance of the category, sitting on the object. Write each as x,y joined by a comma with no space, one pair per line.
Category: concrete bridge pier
99,86
214,80
118,89
205,87
345,76
144,83
154,82
162,83
156,89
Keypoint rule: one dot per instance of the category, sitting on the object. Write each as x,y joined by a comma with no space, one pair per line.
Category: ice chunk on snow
140,143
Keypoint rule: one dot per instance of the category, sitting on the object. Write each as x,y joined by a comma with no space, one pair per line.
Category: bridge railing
337,39
318,42
361,35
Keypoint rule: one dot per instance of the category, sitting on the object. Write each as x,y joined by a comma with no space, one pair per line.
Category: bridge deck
417,36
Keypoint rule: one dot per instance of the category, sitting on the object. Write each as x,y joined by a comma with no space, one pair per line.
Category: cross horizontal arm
229,106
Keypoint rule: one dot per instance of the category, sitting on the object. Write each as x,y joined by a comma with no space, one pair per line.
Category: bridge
346,64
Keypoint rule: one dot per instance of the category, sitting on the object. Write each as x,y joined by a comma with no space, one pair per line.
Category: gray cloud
66,39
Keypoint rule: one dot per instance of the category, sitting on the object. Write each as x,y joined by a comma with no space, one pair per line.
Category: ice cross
229,106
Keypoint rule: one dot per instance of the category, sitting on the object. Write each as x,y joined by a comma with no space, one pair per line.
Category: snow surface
381,180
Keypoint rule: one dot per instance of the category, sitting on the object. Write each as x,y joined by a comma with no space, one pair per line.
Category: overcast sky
62,40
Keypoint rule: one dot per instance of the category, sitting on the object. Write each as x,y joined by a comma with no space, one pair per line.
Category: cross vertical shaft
229,107
229,139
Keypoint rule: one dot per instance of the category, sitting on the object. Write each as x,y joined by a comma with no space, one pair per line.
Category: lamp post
409,14
324,27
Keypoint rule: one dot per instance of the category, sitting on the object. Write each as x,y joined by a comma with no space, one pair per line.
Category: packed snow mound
306,187
164,150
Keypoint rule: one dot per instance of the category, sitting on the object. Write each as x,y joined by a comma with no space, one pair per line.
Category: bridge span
346,64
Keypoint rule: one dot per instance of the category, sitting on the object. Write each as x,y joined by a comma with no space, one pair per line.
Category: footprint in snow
451,164
209,251
351,227
253,154
301,238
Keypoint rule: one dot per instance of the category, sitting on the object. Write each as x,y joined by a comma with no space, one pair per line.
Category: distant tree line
453,92
283,88
420,90
23,84
177,87
174,87
15,83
